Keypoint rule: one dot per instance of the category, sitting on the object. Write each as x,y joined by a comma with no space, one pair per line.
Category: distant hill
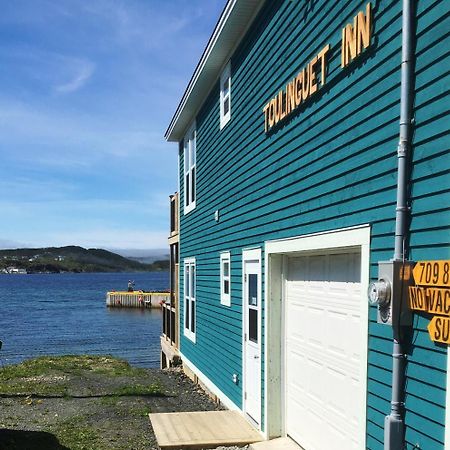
149,259
73,259
145,256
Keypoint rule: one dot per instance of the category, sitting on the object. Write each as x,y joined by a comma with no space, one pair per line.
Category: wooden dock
136,299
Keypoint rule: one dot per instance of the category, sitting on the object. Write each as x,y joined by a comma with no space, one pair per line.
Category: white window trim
225,299
225,118
187,301
189,206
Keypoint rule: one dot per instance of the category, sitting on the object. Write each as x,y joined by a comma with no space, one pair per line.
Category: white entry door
252,334
324,356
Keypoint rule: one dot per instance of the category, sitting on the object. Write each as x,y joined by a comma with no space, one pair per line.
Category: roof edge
234,21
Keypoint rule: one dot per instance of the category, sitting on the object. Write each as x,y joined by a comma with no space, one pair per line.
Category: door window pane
253,325
253,289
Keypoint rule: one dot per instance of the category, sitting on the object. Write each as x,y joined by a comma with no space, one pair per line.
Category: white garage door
325,391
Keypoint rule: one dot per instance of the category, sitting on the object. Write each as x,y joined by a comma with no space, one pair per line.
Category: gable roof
230,29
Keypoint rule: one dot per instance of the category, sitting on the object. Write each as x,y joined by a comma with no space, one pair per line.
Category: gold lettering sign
432,295
430,299
439,329
432,273
296,91
356,37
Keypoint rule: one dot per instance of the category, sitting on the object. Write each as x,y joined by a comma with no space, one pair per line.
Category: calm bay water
59,314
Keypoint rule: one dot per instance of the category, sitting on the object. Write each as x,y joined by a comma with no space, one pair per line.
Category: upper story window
189,298
225,96
225,279
189,169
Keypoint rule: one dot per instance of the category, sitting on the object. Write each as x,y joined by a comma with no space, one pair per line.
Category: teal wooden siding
330,165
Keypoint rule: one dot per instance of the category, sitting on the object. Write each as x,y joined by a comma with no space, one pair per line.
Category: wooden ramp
201,430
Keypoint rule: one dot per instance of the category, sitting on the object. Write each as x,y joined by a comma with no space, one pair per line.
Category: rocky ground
89,403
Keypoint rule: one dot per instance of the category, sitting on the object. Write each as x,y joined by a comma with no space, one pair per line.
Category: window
225,96
225,279
252,286
189,298
189,169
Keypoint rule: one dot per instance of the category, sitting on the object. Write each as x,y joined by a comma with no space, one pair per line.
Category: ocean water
60,314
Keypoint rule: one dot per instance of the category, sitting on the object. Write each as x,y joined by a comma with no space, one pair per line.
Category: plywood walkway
199,430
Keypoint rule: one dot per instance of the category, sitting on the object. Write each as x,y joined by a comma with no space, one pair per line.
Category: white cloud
72,139
147,25
83,73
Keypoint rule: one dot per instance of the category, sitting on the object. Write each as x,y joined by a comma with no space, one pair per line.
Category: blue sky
87,89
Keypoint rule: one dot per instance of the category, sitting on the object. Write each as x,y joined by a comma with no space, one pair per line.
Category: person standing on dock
130,286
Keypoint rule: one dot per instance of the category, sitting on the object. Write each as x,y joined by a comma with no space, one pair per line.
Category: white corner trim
209,384
447,406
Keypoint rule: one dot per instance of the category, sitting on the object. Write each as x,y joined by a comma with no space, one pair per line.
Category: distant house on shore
16,271
296,181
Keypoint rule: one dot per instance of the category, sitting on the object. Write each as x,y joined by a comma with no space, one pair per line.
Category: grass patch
26,387
106,365
153,389
51,376
139,411
76,434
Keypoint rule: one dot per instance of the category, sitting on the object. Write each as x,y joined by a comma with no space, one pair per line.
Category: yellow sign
296,91
356,38
431,300
418,298
432,273
439,329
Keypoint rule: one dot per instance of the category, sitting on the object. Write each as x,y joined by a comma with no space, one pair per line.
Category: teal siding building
288,134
